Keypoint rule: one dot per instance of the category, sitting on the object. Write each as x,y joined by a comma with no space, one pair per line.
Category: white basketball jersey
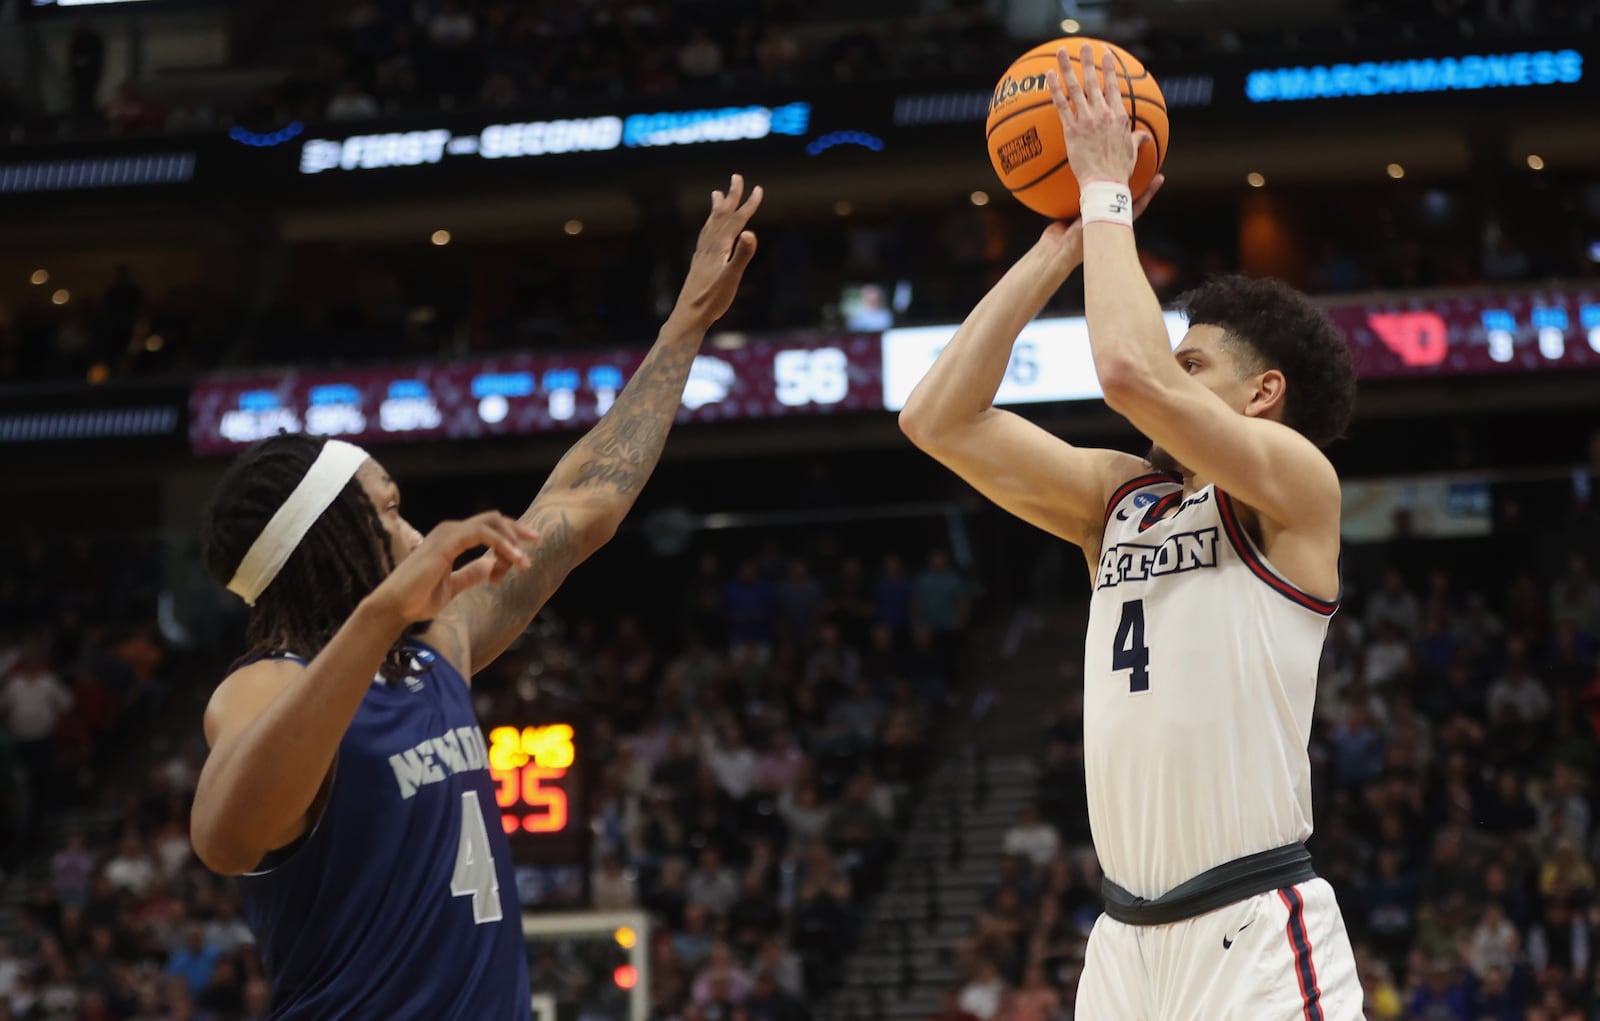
1200,672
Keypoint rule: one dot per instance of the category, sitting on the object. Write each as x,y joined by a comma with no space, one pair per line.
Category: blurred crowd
750,760
1455,749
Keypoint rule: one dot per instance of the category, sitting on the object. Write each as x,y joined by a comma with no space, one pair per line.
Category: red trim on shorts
1300,943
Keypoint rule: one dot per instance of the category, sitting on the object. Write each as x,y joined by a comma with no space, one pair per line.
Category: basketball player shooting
1214,568
347,784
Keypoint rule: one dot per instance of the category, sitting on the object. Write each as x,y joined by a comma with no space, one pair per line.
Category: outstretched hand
723,251
424,583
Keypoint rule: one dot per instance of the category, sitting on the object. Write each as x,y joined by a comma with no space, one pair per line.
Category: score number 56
520,761
811,376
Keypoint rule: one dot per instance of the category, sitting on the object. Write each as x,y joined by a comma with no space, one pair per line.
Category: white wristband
1106,202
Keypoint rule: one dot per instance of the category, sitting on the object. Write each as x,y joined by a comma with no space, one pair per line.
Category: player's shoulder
246,692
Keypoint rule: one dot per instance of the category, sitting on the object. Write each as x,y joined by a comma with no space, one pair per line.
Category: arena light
39,277
1535,161
843,208
626,976
572,228
1395,171
979,198
1071,26
61,297
626,937
440,238
1255,180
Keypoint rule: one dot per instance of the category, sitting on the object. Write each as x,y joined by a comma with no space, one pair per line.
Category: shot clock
532,769
540,790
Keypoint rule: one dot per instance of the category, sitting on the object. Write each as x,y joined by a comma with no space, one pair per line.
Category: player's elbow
1125,384
914,424
220,851
927,429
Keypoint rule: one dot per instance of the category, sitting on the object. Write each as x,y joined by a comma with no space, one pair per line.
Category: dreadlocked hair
341,560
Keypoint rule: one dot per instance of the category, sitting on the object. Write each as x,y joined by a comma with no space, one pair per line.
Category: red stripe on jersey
1157,510
1247,553
1131,486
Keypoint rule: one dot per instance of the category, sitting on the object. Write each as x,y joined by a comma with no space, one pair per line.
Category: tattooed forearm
486,620
551,557
586,497
618,455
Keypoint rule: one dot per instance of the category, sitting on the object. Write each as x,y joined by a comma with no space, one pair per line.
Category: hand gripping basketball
1100,141
1024,130
425,582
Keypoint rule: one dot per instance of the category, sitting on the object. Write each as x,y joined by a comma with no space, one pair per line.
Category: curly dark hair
1276,327
344,556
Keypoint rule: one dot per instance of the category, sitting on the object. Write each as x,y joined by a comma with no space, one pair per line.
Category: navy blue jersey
400,902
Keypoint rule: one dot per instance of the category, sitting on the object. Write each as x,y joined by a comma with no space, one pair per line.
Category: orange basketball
1026,145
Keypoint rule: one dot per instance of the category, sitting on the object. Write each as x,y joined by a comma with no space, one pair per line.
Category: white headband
334,467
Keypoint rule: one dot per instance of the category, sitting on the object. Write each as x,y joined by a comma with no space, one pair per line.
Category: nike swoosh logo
1227,941
1122,515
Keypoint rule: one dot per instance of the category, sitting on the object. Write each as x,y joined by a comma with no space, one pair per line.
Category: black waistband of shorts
1226,884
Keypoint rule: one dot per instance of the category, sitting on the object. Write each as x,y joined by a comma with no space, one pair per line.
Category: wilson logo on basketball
1010,88
1020,150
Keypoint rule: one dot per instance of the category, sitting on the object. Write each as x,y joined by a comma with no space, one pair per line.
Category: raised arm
1276,472
1025,469
595,484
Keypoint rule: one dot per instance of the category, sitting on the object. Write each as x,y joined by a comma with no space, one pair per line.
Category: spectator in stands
1576,598
942,600
1032,838
712,886
33,702
755,916
611,888
194,962
1517,691
769,1001
71,870
132,868
748,611
892,595
981,996
721,981
1395,603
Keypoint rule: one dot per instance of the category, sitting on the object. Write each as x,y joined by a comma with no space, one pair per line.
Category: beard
1162,461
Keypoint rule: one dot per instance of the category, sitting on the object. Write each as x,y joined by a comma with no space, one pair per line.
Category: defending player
347,783
1214,566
